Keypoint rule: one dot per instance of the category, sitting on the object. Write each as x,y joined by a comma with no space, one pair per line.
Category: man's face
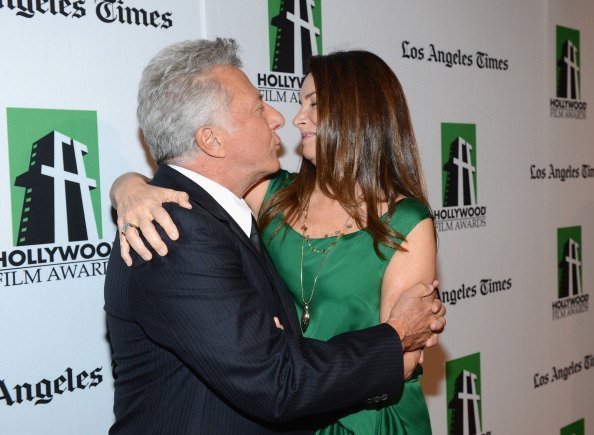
252,142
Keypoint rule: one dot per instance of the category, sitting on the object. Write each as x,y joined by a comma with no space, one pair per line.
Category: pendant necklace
306,315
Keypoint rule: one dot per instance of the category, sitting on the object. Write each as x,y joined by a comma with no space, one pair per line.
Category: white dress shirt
236,207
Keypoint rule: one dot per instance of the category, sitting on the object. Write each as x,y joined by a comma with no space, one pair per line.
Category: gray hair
177,95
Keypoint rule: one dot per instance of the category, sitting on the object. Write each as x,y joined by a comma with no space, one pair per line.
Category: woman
352,230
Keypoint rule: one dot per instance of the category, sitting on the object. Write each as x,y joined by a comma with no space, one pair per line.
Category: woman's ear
210,142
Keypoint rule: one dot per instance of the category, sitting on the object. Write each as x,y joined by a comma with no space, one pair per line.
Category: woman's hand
411,360
138,203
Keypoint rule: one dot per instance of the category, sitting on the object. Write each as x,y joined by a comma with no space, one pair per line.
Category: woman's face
306,119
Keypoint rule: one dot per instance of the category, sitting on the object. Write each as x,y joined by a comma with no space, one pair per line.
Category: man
194,342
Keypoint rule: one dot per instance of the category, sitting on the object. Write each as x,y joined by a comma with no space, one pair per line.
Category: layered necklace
306,315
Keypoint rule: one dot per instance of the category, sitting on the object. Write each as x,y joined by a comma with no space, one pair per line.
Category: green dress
347,298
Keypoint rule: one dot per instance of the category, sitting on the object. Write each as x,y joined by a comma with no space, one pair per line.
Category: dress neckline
360,230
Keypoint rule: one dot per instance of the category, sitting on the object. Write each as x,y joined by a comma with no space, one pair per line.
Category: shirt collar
236,207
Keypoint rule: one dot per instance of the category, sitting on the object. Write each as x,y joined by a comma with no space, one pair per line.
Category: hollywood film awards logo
575,428
568,103
571,298
461,209
295,34
464,400
55,197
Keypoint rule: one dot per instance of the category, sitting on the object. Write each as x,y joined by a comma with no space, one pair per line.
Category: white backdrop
531,372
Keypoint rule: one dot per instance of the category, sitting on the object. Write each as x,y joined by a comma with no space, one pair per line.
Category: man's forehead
226,70
236,82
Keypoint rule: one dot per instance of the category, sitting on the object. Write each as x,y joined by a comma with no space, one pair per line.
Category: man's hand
418,316
278,324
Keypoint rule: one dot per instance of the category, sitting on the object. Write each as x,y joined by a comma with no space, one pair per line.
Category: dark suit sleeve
198,303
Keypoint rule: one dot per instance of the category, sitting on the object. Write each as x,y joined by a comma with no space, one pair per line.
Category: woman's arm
405,269
255,196
140,204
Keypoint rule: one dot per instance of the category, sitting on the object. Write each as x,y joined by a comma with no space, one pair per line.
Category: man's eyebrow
258,99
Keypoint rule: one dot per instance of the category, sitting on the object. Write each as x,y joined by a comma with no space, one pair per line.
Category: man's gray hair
177,95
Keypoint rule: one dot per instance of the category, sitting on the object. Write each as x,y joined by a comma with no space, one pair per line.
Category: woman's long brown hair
365,138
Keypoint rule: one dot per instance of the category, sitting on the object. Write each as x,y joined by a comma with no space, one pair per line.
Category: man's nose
275,119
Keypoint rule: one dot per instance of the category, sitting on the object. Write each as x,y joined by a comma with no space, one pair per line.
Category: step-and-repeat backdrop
499,95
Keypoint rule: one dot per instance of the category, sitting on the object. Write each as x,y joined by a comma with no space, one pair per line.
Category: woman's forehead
308,88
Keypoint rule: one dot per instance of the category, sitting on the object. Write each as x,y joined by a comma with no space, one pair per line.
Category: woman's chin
309,153
311,160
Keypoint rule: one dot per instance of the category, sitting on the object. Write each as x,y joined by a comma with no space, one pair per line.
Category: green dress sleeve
279,180
408,214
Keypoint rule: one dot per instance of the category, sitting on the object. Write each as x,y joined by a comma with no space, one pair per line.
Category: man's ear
210,141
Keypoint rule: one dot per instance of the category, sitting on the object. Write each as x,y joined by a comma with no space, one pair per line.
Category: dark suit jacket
195,347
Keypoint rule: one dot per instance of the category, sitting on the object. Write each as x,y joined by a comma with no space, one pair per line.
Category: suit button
376,402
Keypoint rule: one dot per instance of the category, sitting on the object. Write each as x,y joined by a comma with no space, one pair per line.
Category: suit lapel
170,178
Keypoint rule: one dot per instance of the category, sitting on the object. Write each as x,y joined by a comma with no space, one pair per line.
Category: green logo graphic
54,175
576,428
569,259
568,63
294,32
458,158
463,380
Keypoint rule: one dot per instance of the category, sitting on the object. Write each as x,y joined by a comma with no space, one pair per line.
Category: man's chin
271,168
276,166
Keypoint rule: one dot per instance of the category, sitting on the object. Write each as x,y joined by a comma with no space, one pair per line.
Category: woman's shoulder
279,180
408,213
412,206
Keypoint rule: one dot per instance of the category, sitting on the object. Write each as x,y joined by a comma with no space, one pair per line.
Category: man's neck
221,175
